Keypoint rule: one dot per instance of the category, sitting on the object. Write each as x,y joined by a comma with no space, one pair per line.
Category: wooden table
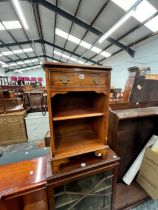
23,185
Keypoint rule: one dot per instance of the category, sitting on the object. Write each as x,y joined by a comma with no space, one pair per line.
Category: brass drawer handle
96,82
65,81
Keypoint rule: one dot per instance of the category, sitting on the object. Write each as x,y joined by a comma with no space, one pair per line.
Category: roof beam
81,23
39,27
45,42
41,56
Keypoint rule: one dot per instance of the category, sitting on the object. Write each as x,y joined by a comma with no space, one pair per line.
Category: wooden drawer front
78,79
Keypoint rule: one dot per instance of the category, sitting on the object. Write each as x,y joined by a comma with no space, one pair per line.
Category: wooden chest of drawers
12,128
78,99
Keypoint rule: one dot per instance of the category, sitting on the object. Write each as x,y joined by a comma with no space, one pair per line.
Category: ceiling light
7,53
96,49
18,71
20,13
85,44
143,11
2,63
29,68
28,61
12,24
34,60
12,64
116,26
61,33
17,51
72,59
1,27
28,50
81,62
20,63
105,54
57,53
124,4
65,56
73,39
152,24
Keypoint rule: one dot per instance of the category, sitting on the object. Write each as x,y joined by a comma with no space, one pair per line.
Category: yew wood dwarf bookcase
78,103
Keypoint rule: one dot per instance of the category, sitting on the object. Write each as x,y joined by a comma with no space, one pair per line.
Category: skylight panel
61,33
28,50
1,27
7,53
74,39
96,49
12,64
9,25
124,4
17,51
143,11
20,63
105,54
85,44
152,24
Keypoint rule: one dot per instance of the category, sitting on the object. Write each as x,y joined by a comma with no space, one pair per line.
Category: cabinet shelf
76,114
76,144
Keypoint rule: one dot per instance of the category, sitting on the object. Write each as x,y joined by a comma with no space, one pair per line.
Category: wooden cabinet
24,185
78,98
12,128
91,187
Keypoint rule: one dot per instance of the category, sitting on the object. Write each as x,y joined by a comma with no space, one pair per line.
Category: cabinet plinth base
56,164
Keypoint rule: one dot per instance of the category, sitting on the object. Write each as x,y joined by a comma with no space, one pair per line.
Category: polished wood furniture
12,128
78,101
90,187
140,87
23,185
129,130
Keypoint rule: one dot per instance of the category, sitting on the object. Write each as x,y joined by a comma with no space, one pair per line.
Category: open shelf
76,114
76,144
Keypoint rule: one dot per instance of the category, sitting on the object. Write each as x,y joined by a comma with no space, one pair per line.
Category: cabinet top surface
76,66
22,176
18,113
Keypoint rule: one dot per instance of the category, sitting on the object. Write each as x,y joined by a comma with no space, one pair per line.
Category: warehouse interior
78,104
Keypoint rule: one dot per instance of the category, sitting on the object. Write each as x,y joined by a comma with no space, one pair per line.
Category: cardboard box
148,174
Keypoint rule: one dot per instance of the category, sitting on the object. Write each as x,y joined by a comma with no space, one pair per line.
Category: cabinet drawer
78,79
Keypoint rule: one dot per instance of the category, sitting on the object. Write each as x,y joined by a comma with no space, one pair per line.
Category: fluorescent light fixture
18,71
73,59
11,24
116,26
65,56
73,39
20,63
85,44
17,51
1,27
105,54
28,61
96,49
34,60
124,4
2,63
12,64
28,50
29,68
81,62
143,11
57,53
61,33
152,24
77,41
1,55
7,53
20,13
